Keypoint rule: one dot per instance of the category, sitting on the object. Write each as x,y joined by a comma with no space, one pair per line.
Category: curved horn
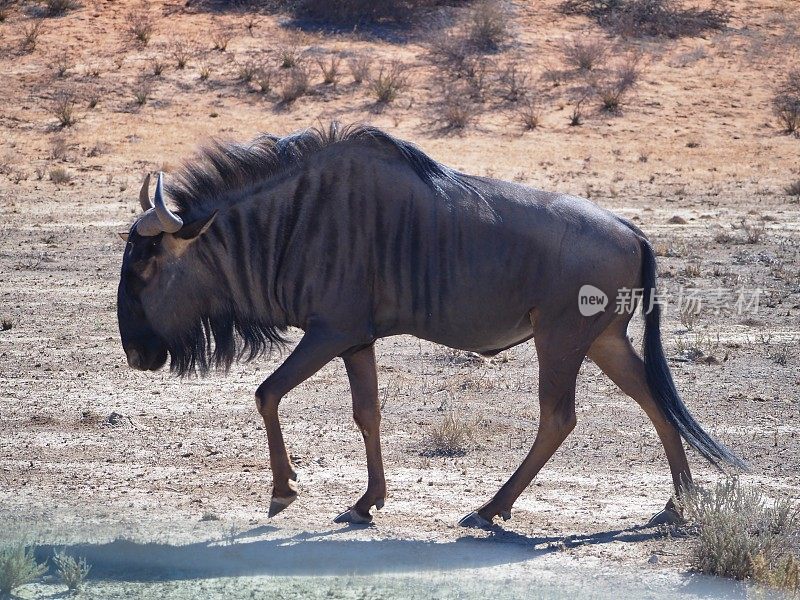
144,194
170,223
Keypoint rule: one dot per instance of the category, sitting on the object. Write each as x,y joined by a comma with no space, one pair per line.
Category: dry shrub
753,230
640,18
330,69
586,54
181,52
612,87
513,82
205,72
743,536
142,90
59,175
793,189
487,27
451,437
456,108
30,35
360,11
360,68
56,8
5,9
59,149
295,84
72,572
290,56
247,71
63,64
18,566
530,113
221,38
158,66
64,108
264,78
141,25
389,81
576,116
786,102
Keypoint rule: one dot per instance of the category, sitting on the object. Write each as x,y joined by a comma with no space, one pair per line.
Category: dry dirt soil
90,448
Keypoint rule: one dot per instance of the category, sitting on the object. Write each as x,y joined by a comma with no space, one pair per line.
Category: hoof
506,514
278,504
379,504
668,516
473,519
351,515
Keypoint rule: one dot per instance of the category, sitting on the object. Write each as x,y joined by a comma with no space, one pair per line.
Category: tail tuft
659,378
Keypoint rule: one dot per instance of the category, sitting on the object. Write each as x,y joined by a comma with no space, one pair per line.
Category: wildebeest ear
123,235
195,228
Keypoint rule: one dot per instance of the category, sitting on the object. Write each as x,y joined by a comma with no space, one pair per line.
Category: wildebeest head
151,264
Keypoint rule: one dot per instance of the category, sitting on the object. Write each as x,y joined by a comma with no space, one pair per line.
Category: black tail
659,378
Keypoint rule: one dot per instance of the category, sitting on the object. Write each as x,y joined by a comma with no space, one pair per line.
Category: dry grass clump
360,68
330,69
64,108
18,566
484,31
586,54
389,81
451,437
157,65
246,71
264,79
487,26
295,85
786,102
612,87
142,91
359,11
30,35
220,38
5,9
289,56
743,536
72,572
513,83
56,8
456,107
793,189
643,18
753,230
63,64
141,25
181,53
60,176
529,113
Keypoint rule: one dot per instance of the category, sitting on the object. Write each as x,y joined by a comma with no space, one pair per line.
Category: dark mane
224,172
222,169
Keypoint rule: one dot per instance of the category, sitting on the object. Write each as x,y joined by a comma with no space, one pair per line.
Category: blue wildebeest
353,235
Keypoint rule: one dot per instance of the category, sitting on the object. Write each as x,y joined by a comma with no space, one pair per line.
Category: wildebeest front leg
361,371
318,347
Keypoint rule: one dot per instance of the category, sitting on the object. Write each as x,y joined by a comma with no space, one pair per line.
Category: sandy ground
91,451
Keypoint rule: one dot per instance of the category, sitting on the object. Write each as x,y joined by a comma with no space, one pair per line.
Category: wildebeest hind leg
558,369
362,373
318,347
614,354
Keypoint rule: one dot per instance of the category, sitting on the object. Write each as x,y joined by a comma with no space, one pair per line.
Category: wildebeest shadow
318,553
